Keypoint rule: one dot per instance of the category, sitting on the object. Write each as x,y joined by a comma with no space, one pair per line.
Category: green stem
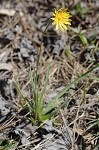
42,43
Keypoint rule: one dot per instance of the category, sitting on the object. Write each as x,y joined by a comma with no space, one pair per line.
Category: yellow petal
61,27
53,23
53,18
64,26
55,10
67,23
56,26
53,14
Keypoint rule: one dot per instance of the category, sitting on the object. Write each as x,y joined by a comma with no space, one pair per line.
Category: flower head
61,19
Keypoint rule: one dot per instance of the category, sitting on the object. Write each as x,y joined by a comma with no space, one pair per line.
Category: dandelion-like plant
61,18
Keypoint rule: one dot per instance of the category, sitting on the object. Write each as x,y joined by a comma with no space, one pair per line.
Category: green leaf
95,123
9,145
52,103
33,83
45,117
28,103
57,109
18,89
44,89
95,78
83,39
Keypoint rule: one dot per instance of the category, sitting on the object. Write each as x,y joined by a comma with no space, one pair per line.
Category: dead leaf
8,12
6,66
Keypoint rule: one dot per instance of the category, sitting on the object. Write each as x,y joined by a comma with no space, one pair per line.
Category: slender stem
42,43
38,59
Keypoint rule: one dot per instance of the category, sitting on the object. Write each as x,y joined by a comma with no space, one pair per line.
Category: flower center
59,17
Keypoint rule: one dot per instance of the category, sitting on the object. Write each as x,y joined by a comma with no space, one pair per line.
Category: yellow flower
61,18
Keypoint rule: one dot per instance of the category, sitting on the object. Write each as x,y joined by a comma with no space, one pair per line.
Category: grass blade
44,89
28,103
33,83
52,104
18,90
